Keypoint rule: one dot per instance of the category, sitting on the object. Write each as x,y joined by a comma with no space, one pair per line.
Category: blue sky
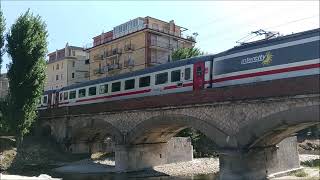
219,23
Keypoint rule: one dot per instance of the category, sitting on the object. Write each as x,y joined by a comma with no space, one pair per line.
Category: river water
123,176
112,176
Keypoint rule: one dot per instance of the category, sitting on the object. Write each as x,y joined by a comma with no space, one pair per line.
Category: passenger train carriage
282,57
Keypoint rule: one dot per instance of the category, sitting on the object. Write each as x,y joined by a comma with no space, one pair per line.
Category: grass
299,173
312,163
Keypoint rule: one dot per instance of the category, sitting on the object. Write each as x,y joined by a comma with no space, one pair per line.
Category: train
281,57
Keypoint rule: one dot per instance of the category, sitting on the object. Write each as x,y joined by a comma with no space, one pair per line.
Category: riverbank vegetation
35,153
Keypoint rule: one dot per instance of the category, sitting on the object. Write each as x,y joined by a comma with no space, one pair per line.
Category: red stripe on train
263,73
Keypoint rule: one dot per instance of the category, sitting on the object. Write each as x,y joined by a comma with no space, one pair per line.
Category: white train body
284,57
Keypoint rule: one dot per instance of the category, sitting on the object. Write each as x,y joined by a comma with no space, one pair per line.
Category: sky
220,24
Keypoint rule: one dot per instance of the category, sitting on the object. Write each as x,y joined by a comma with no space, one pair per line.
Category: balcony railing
160,44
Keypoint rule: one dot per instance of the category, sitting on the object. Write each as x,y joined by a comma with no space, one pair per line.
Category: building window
144,81
53,68
92,91
104,89
81,93
60,96
72,75
72,94
65,95
73,53
62,65
116,86
57,67
61,77
175,76
129,84
161,78
57,77
187,73
73,63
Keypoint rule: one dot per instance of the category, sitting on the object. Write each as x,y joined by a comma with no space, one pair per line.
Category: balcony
98,71
98,57
159,45
128,47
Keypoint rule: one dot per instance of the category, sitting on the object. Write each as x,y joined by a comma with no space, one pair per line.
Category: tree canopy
27,47
2,29
184,53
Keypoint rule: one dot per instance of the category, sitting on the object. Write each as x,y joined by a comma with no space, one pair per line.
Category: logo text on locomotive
265,59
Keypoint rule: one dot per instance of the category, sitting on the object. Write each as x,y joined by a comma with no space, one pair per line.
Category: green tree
27,47
184,53
4,126
2,29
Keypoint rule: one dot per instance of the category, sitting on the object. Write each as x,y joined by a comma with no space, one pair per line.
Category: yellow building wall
137,54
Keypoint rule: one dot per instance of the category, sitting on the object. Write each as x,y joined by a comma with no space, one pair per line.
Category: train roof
269,42
139,72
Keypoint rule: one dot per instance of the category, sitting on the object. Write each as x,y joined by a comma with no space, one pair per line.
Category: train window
144,81
92,91
45,99
60,96
81,93
65,95
104,89
116,86
161,78
175,76
72,94
129,84
187,74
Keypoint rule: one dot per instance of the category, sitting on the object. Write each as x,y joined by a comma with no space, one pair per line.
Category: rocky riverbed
197,166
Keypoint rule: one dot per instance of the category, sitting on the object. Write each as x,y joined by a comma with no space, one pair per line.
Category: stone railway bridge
245,122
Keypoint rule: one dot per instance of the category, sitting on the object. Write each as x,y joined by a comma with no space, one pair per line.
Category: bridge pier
141,156
259,163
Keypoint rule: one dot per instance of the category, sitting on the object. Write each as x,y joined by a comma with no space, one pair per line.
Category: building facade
135,45
67,66
4,86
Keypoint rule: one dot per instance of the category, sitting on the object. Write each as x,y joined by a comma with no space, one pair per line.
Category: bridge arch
161,128
93,129
272,129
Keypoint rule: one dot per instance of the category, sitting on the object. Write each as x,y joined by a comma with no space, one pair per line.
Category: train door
198,75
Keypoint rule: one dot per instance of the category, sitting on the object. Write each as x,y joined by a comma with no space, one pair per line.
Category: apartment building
4,86
135,45
67,66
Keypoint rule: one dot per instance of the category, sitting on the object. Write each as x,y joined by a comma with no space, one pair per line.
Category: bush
311,163
299,173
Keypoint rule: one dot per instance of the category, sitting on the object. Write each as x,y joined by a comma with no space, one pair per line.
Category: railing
160,44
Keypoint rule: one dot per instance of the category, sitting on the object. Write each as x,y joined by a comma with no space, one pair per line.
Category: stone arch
161,128
272,129
95,129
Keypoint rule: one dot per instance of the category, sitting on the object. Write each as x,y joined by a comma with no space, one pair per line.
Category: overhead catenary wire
268,28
